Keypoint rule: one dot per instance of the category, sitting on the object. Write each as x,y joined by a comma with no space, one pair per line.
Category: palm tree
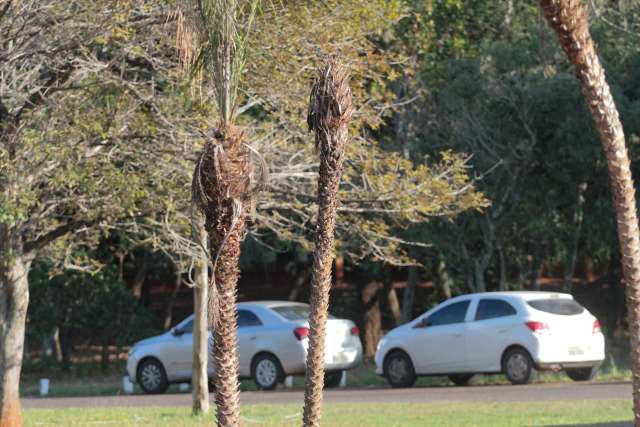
569,20
222,184
330,109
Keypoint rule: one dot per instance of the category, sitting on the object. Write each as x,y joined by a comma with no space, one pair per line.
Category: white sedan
515,333
272,343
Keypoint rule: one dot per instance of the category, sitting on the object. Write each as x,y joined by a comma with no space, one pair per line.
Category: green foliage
96,308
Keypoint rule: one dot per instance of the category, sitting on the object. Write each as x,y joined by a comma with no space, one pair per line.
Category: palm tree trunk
329,114
222,316
568,18
221,190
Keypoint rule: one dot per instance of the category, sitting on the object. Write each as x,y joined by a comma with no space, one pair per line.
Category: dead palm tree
330,109
223,180
569,20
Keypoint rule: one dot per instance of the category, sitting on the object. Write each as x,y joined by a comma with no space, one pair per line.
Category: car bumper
132,364
336,359
559,353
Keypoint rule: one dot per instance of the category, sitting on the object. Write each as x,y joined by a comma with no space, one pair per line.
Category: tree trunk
200,375
502,267
168,313
578,215
65,347
223,322
478,276
372,322
297,287
443,279
141,274
330,111
392,299
104,355
14,299
569,20
409,294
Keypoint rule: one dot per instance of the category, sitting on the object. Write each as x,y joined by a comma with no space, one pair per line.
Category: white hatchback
515,333
272,343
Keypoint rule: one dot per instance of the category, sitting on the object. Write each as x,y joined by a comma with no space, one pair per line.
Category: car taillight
596,327
538,327
355,331
301,333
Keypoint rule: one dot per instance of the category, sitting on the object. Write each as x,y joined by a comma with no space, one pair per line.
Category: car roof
270,304
524,295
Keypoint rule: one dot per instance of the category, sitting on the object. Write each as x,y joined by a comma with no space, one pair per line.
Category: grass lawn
361,377
357,415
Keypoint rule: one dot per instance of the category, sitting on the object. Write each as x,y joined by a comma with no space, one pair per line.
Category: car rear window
565,307
294,312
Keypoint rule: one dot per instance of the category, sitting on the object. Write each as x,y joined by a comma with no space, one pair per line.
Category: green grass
357,415
364,376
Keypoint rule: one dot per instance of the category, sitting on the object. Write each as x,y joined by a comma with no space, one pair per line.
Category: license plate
576,351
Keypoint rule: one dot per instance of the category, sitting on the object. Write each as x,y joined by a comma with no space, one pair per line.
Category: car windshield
565,307
294,312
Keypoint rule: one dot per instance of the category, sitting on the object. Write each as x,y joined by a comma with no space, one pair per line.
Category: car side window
187,327
453,313
247,318
494,308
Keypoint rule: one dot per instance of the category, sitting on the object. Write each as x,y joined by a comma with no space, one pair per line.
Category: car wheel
266,371
398,369
517,365
332,379
461,379
581,374
152,377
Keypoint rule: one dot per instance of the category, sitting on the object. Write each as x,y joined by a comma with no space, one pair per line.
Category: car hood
152,340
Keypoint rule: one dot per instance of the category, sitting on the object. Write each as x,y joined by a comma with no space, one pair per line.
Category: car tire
581,374
399,370
460,379
518,367
266,371
332,379
152,377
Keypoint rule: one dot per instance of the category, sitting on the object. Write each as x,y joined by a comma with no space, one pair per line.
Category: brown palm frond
330,102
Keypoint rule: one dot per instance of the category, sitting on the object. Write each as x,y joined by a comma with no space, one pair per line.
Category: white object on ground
343,379
44,386
288,381
127,385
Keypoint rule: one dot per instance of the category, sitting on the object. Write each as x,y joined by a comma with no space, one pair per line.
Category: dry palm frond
330,104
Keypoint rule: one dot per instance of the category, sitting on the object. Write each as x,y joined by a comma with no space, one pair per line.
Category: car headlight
131,350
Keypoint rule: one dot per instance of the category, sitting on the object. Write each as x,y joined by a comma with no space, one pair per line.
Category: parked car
515,333
272,341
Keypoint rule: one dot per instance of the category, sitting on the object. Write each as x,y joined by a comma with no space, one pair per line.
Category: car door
438,342
489,333
249,326
179,351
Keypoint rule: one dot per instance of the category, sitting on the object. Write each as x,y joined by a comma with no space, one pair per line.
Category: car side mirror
424,323
176,332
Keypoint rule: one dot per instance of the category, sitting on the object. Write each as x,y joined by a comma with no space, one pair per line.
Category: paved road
501,393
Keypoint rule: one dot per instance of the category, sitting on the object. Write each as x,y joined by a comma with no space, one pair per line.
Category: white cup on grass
44,386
